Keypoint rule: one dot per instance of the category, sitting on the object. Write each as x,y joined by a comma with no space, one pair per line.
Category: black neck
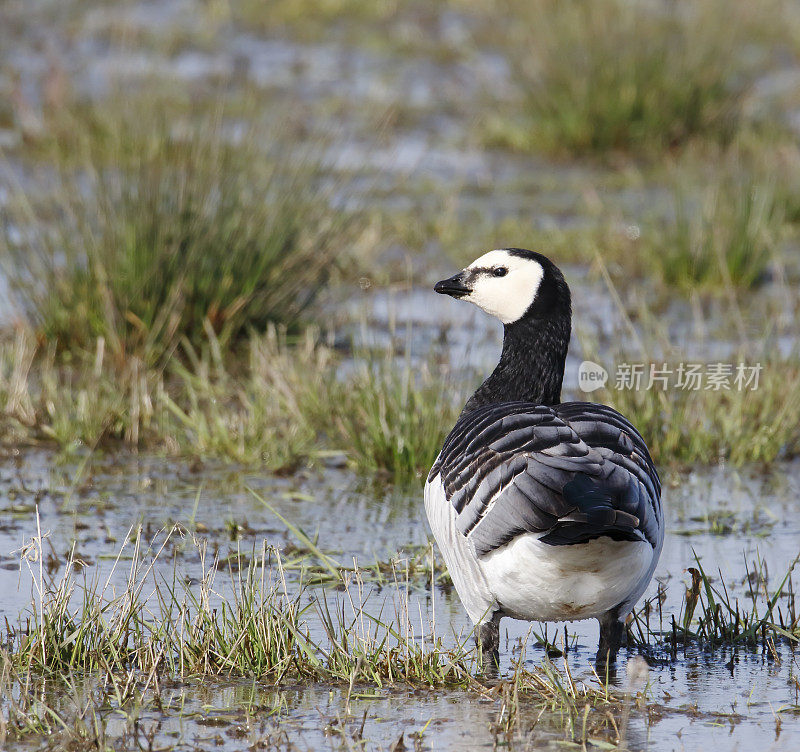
531,366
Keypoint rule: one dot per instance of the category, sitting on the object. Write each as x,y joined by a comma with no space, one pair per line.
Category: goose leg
612,629
487,637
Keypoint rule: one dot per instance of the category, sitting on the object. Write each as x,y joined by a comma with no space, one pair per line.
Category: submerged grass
143,625
143,615
152,230
132,631
155,623
710,616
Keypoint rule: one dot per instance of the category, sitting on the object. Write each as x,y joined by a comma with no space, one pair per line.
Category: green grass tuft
726,238
617,75
156,228
709,615
393,418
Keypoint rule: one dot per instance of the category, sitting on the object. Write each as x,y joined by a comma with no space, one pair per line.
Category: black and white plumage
543,510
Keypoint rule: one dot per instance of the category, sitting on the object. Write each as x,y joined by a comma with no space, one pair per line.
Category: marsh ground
414,136
730,521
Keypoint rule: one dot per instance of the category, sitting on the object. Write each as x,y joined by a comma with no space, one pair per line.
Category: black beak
454,286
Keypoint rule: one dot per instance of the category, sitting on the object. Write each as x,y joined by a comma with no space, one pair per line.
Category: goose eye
499,271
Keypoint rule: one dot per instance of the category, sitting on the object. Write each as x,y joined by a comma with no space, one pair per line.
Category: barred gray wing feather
625,451
573,472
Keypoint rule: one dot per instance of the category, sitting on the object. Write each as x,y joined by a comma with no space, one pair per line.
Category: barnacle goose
543,510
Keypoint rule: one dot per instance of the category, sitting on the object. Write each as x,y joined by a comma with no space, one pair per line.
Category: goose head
511,284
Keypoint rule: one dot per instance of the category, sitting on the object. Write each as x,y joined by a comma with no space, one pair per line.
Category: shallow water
696,695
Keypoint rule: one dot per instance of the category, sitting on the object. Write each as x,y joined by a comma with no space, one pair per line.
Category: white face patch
509,296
